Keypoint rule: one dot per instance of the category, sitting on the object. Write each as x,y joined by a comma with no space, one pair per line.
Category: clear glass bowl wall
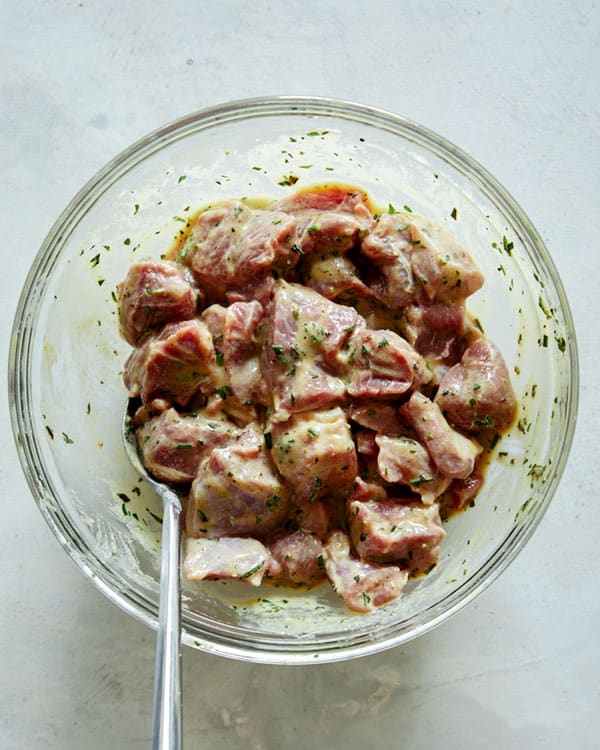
67,395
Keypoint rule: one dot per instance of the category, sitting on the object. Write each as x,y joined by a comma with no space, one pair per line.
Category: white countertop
515,84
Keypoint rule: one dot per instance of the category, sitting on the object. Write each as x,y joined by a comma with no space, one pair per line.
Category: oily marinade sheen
310,380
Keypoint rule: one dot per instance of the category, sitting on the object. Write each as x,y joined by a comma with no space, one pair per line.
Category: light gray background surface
515,84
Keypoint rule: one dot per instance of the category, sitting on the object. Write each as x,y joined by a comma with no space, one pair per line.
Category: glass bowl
66,357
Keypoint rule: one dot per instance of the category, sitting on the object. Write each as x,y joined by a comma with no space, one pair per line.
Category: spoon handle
166,721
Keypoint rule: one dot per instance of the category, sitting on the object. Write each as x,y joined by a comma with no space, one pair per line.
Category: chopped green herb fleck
543,308
158,519
223,391
421,480
272,502
252,571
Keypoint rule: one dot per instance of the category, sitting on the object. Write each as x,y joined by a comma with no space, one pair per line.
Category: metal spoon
166,711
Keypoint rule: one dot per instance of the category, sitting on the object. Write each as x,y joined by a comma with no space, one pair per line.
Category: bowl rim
25,322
